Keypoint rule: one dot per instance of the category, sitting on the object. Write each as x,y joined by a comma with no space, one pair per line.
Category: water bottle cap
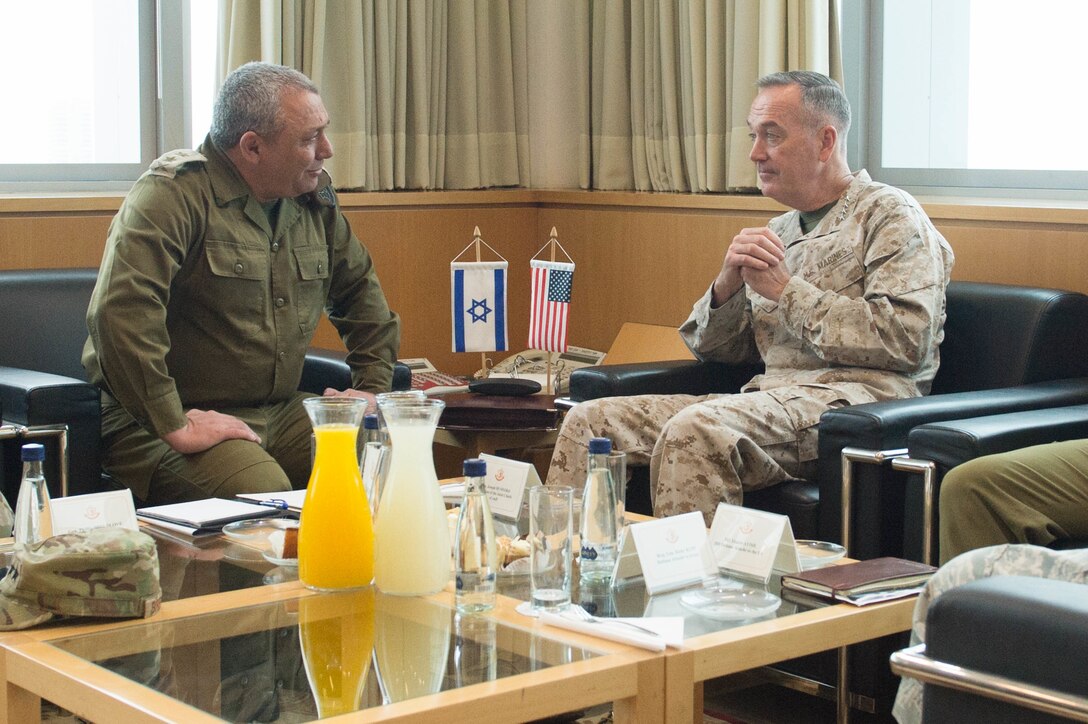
600,446
33,451
370,422
475,468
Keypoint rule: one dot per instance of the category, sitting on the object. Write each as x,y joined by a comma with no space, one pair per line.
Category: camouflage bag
110,572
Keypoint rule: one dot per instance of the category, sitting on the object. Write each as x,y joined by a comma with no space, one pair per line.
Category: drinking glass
617,466
551,534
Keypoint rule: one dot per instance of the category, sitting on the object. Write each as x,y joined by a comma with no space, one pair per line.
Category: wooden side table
489,423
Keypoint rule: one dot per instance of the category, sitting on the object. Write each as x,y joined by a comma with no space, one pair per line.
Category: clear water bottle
372,461
33,512
598,529
475,555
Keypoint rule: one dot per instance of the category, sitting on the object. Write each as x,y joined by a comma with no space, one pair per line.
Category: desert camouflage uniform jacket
865,306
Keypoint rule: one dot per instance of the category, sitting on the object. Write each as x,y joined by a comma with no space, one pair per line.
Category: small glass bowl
818,553
730,602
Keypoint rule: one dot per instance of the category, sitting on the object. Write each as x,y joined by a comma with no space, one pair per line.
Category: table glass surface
301,658
221,565
214,565
317,655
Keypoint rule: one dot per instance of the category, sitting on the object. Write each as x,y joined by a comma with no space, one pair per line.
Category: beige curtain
423,94
603,94
673,80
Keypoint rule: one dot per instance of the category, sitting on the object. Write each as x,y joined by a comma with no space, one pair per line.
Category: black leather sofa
1003,649
42,381
1006,348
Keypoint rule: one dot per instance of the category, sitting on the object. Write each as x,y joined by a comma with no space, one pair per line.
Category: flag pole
477,242
548,370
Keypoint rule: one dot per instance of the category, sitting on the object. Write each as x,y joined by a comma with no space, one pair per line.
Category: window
93,109
974,93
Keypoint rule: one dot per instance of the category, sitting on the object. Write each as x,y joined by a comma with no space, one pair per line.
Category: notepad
200,517
862,582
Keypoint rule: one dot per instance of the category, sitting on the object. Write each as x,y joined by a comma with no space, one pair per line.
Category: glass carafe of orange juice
336,534
412,538
337,636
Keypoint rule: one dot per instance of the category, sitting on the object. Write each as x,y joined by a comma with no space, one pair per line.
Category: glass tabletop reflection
319,655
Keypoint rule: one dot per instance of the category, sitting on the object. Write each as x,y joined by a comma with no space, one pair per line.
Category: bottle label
589,553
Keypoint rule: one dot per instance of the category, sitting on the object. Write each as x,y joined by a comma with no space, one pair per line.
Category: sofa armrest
33,399
879,492
658,378
1021,628
954,442
326,368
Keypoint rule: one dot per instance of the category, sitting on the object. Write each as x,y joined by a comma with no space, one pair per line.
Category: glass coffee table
230,646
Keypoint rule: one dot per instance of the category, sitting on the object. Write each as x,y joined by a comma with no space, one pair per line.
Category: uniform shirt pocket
236,282
312,266
805,404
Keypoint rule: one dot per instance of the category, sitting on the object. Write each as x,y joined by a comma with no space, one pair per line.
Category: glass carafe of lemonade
336,534
411,646
336,632
412,539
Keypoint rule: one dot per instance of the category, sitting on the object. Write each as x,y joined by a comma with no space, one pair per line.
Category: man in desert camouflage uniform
843,300
216,272
1001,560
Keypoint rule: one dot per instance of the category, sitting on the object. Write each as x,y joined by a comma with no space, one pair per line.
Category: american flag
550,303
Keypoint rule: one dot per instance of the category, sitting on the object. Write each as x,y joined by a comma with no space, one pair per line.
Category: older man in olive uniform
216,271
843,299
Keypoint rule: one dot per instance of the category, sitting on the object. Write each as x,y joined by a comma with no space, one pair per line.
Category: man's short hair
822,99
250,101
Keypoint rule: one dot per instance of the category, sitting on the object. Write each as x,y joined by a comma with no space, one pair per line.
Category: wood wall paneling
641,257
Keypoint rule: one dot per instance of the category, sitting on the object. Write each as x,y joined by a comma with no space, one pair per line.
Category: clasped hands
755,258
206,428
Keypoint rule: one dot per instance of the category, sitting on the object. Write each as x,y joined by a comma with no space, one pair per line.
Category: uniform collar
842,209
228,184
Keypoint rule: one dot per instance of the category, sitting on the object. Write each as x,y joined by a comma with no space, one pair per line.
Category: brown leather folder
852,581
469,410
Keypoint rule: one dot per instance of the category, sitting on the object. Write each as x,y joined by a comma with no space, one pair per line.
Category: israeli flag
478,291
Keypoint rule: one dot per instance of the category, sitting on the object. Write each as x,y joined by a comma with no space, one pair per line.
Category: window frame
164,110
863,58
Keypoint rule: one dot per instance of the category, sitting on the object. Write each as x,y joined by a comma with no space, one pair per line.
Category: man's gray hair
821,98
250,101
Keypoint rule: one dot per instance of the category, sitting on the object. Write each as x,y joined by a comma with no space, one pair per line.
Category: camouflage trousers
701,450
1002,560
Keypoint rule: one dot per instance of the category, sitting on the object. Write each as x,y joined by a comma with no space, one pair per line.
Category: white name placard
506,483
671,553
752,542
77,513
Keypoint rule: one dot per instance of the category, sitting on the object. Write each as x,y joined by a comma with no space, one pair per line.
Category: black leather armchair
43,383
999,650
1006,348
935,448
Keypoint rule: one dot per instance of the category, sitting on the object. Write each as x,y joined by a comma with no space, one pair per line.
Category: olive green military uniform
860,320
202,303
1036,495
